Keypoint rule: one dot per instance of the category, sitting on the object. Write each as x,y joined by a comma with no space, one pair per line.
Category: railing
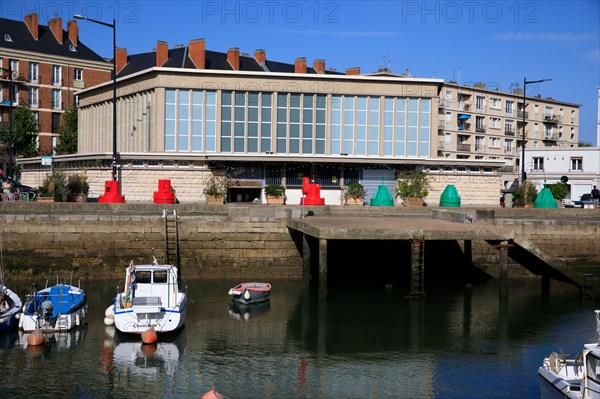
508,150
520,114
509,132
463,147
551,118
480,129
551,137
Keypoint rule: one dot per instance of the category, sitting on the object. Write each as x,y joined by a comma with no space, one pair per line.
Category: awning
463,116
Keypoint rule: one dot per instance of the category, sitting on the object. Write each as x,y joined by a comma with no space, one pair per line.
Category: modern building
49,67
188,113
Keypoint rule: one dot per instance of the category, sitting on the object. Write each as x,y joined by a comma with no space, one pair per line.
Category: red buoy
212,394
35,338
149,336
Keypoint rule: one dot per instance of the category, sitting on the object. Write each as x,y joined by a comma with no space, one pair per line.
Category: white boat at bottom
572,376
151,298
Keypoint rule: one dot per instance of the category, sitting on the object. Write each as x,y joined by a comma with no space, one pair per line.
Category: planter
271,200
354,201
77,198
45,199
410,201
215,199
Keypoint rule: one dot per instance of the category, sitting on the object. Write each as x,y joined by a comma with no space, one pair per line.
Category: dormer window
72,48
7,38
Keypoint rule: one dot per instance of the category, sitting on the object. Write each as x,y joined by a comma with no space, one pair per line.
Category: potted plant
355,194
525,195
78,188
53,189
215,189
275,194
412,187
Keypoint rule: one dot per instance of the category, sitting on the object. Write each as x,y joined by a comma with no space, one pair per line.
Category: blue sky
498,43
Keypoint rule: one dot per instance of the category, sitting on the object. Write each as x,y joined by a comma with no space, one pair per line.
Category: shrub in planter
412,184
355,192
526,193
274,190
54,186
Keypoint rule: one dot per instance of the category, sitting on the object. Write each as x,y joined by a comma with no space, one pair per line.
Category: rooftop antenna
386,60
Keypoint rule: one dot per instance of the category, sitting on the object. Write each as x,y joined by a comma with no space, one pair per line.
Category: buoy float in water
212,394
149,336
109,314
149,349
35,338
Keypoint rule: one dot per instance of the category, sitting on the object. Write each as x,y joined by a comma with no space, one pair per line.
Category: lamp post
114,79
525,83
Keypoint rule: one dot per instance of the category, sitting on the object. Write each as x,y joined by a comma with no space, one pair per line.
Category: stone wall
236,241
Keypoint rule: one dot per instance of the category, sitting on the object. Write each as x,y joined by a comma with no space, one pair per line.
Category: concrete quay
253,241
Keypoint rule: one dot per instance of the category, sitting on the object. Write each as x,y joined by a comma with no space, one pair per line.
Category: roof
214,60
21,39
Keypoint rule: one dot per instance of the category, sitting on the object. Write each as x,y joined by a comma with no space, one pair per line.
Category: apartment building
49,67
480,122
187,113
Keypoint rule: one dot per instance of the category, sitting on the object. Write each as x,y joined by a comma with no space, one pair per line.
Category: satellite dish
564,179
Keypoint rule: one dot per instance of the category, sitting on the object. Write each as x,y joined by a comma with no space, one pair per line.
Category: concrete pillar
468,253
322,268
503,267
305,261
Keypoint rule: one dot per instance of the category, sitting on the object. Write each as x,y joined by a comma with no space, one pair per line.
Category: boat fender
247,295
21,322
77,320
109,311
109,321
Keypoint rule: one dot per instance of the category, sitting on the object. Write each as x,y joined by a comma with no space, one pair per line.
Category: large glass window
413,127
374,126
424,128
33,71
336,124
282,103
170,119
400,126
183,131
197,120
348,133
56,103
321,107
388,126
361,126
265,122
56,75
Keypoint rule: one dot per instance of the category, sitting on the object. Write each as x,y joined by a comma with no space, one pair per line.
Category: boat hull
553,386
10,309
55,309
136,320
250,293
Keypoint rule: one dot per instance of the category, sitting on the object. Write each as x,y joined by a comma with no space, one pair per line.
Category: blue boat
61,307
248,293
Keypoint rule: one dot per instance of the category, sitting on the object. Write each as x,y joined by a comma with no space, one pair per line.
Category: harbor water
362,342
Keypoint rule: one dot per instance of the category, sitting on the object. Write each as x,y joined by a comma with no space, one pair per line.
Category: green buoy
450,197
382,197
545,199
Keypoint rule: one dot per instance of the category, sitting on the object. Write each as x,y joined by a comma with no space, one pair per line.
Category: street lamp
114,79
525,83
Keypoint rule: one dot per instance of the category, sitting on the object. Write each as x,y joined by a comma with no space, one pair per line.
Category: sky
499,43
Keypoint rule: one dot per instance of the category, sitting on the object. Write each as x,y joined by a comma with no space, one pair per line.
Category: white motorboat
574,376
151,298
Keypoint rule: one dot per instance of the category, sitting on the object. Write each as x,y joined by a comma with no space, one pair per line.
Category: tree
67,140
24,133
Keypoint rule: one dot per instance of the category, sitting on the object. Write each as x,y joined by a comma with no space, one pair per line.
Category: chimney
73,31
353,71
300,65
31,20
197,53
55,25
162,52
260,56
319,66
121,59
233,56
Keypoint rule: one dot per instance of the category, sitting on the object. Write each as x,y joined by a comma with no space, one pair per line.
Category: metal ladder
417,268
171,236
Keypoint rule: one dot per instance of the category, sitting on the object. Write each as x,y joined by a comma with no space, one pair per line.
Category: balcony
463,147
548,118
509,132
520,114
550,137
444,146
508,150
480,129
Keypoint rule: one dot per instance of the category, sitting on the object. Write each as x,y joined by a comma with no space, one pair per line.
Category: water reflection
360,342
240,311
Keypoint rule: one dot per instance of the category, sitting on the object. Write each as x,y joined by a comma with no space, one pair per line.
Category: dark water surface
459,342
